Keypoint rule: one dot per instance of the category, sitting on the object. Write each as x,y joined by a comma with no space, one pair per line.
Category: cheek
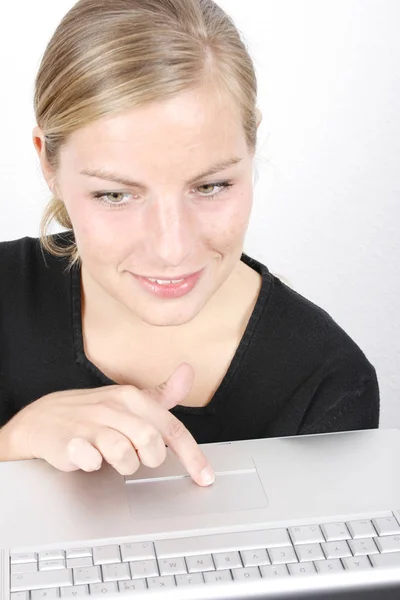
101,234
227,231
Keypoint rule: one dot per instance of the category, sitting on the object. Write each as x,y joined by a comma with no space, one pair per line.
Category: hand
121,424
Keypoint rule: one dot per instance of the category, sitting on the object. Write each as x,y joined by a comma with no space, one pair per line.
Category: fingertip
207,476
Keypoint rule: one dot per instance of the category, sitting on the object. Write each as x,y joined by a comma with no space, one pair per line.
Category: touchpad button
172,497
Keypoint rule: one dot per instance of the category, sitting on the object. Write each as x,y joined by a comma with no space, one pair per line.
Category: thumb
176,388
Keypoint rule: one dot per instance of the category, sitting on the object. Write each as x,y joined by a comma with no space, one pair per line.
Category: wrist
13,441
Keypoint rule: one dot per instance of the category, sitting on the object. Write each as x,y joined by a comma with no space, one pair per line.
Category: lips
169,288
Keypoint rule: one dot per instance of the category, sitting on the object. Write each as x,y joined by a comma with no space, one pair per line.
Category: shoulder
17,258
303,333
26,268
27,251
14,249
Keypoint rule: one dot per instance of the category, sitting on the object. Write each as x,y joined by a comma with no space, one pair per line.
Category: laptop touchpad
171,496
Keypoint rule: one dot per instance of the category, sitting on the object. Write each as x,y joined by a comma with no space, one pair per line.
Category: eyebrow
109,176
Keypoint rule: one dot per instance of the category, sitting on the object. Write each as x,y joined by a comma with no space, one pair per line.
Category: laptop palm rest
173,493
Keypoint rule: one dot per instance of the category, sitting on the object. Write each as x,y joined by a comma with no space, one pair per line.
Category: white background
327,201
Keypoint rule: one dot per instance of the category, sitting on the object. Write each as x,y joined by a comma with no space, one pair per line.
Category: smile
166,281
169,288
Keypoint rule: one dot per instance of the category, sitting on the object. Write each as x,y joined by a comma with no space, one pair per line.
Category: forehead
195,126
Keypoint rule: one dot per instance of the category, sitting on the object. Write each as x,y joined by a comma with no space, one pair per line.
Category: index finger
173,432
185,447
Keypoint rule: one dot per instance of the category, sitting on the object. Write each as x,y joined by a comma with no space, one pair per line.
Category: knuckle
147,435
156,457
127,393
175,429
161,387
120,450
105,411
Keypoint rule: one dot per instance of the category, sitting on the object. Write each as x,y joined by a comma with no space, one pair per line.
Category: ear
259,117
40,147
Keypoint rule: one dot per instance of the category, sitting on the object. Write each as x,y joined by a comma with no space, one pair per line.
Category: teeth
165,281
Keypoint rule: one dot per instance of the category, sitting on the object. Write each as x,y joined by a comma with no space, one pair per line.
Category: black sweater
294,372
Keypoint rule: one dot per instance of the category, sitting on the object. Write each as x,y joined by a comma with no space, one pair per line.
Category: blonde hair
107,56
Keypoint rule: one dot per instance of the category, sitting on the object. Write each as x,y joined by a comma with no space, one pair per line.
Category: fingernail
207,476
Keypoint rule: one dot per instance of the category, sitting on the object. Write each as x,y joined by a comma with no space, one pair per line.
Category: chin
165,322
168,320
170,316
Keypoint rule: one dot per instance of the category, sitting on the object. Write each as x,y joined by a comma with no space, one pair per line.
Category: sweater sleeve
343,401
6,407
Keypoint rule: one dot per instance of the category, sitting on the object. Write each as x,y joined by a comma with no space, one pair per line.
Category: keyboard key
117,572
362,528
192,579
161,582
105,589
284,555
126,587
24,568
336,549
274,571
86,575
103,555
26,557
309,552
356,562
301,569
390,543
306,534
144,568
227,560
217,576
255,558
386,526
137,551
79,552
75,563
76,591
19,596
52,555
334,532
328,566
49,594
363,547
245,574
172,566
41,580
391,559
198,564
52,565
224,542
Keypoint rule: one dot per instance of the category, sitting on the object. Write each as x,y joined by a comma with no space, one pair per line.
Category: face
160,199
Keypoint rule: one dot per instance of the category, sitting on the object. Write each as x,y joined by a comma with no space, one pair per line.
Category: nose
173,232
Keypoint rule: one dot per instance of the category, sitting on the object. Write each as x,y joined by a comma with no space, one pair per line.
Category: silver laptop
297,517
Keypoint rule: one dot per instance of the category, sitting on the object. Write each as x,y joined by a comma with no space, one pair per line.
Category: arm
347,399
9,445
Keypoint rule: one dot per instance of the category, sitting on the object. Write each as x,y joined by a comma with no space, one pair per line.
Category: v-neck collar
227,381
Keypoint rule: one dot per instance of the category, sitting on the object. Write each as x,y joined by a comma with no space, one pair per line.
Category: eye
112,199
208,190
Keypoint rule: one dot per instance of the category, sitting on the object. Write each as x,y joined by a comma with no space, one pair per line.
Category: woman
144,325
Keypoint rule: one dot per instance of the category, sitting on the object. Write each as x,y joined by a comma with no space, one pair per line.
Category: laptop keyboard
208,559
